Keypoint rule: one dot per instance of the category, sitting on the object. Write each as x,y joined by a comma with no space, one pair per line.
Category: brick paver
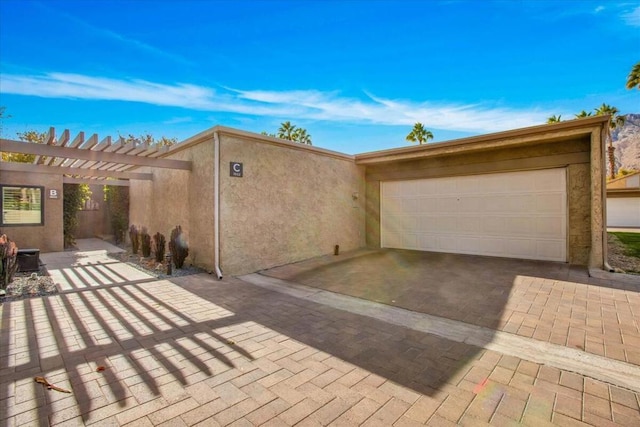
198,351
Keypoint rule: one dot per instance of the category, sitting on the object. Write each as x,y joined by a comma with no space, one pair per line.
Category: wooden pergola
88,161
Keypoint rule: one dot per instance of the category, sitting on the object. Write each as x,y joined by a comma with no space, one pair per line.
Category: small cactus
145,243
134,235
159,245
8,261
178,247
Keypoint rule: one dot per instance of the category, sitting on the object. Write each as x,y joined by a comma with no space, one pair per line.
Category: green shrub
74,197
117,201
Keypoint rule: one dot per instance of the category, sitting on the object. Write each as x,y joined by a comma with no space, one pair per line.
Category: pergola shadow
150,333
99,342
423,362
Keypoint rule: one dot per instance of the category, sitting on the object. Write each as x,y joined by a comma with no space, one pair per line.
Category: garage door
623,212
514,214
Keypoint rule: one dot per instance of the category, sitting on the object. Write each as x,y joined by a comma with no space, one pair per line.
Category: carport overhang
592,129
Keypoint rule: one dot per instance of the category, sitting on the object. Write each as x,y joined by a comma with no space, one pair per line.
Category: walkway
198,351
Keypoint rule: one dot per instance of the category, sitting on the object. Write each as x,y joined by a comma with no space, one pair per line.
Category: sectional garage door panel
515,214
623,212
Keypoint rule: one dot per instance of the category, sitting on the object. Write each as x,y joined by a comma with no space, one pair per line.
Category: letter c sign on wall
235,169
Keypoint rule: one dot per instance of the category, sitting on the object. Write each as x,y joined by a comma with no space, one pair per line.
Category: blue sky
355,74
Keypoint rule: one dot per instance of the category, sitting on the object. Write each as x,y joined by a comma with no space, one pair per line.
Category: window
22,205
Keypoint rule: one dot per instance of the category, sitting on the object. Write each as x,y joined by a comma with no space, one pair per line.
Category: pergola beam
29,167
11,146
118,182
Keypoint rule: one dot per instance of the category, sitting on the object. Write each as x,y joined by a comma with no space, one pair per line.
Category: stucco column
598,203
372,214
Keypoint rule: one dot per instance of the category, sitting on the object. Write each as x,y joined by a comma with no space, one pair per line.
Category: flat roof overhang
569,129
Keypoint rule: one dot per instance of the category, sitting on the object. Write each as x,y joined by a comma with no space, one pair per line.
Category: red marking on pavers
480,386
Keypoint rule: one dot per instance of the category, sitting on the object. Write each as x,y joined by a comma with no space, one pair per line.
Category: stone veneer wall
579,212
48,237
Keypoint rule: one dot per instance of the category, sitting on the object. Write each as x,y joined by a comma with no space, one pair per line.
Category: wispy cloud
177,120
109,34
63,85
299,104
632,18
598,9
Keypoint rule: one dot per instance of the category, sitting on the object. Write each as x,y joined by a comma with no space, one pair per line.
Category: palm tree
419,134
582,114
554,119
633,80
286,131
615,121
300,135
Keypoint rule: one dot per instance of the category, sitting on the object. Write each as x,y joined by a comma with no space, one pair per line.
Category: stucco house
623,201
248,202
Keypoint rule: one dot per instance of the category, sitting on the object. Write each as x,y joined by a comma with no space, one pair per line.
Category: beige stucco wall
48,237
573,153
295,202
292,203
179,197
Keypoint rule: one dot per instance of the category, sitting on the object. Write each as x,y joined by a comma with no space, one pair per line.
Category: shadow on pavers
122,327
67,336
420,361
128,326
468,288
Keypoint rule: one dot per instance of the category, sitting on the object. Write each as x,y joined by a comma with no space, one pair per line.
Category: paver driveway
551,302
195,350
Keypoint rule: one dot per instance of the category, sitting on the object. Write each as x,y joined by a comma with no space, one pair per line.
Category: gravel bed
40,284
29,285
154,268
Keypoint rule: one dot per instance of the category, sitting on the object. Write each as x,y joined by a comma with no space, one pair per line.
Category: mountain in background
626,140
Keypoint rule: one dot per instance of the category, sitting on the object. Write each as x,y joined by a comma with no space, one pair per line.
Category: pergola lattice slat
30,167
88,145
61,142
50,139
69,153
77,141
118,182
89,161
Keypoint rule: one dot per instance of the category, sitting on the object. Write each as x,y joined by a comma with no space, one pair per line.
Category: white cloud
62,85
632,18
298,104
177,120
598,9
331,107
